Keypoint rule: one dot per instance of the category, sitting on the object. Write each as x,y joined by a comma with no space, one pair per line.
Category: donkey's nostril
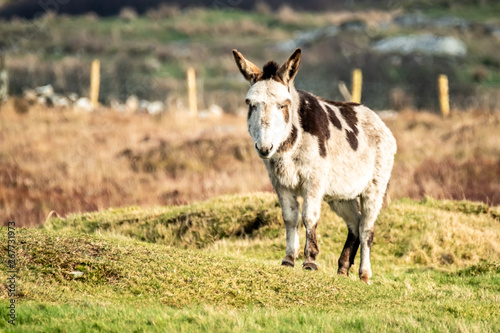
271,148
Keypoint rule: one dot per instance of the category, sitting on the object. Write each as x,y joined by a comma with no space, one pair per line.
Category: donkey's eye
281,107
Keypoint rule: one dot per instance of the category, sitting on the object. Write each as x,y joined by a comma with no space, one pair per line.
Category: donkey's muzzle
264,151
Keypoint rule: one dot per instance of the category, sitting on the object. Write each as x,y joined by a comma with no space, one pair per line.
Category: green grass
214,267
471,12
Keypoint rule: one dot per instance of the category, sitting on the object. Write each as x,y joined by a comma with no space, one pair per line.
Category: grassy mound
428,232
187,226
133,270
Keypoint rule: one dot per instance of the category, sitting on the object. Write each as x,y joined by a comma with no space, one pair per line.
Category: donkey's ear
251,72
290,68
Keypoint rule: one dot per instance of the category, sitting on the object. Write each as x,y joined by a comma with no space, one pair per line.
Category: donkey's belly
347,186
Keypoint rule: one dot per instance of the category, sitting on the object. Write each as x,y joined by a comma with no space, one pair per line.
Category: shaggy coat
321,150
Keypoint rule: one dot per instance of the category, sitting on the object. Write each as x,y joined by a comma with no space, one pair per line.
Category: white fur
266,124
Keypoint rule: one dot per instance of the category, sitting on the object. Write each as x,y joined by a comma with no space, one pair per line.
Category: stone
83,105
427,44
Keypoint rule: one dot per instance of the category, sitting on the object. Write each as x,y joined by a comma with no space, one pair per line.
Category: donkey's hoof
343,271
287,263
365,277
310,266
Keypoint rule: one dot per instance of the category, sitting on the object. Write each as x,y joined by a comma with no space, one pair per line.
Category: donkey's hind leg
371,203
349,211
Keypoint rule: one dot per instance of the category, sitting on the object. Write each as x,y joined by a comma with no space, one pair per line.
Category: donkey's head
269,101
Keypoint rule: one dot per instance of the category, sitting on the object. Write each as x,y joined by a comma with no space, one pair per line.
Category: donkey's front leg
290,211
310,216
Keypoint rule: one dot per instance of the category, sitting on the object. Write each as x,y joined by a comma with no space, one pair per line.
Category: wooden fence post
357,83
444,98
95,81
4,80
191,82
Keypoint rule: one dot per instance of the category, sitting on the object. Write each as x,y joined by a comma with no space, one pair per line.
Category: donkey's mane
270,70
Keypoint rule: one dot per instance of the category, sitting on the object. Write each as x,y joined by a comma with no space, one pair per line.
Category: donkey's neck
293,132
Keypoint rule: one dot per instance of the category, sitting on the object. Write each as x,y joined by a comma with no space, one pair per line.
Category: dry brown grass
59,160
455,158
56,159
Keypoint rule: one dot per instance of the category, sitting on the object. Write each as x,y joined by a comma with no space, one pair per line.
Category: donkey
321,150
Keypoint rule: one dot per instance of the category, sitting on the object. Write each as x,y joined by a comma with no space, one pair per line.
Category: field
77,162
128,222
214,267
